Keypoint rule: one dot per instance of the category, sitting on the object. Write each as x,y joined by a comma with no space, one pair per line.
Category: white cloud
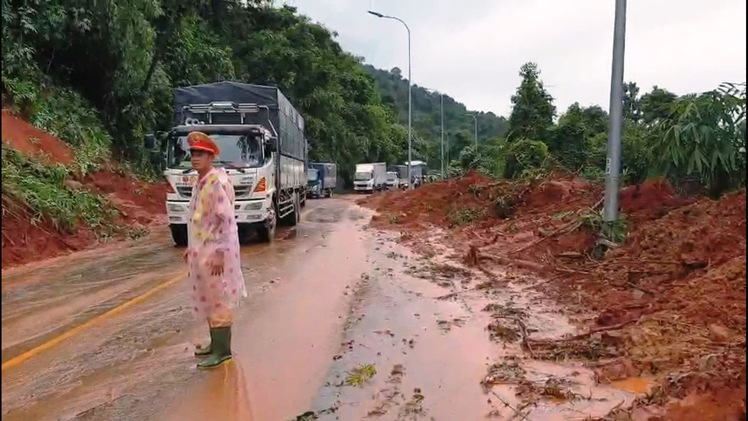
473,49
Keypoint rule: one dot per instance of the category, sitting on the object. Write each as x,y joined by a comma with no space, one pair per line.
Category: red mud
31,141
676,287
23,241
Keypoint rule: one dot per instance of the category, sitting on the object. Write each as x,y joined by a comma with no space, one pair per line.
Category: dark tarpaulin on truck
287,122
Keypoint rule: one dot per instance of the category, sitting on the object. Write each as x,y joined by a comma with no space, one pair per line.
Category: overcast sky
473,49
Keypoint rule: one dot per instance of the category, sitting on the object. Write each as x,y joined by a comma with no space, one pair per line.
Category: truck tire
179,235
244,234
266,232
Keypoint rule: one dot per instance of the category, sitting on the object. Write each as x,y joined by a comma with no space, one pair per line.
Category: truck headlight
253,206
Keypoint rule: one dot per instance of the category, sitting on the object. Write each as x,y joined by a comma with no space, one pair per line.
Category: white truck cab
246,155
393,180
370,177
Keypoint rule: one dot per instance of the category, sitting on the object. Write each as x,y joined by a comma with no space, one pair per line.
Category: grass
43,189
465,215
360,375
66,115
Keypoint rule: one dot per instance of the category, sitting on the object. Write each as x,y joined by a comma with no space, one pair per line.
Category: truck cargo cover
269,96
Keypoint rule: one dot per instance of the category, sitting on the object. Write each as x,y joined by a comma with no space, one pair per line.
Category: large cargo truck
321,179
263,150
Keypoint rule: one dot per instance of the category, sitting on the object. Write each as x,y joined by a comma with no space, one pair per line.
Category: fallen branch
508,405
523,331
584,335
567,270
642,289
502,260
571,226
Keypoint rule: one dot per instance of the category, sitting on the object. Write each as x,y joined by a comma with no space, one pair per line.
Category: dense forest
71,61
458,122
100,76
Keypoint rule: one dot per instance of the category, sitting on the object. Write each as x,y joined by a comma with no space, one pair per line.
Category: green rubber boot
220,346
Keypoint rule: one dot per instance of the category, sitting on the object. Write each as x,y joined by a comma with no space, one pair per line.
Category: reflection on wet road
133,364
107,335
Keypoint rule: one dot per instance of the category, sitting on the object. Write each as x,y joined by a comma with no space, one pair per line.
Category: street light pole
410,101
475,129
442,130
613,163
441,113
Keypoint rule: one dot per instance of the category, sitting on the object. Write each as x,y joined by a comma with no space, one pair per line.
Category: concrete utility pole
475,128
442,130
441,112
410,100
613,163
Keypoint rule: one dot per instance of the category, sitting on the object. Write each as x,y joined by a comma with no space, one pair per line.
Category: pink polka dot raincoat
212,227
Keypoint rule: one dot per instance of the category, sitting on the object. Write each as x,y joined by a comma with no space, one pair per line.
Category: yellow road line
74,331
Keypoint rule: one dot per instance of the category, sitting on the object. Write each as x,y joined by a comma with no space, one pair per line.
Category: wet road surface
107,335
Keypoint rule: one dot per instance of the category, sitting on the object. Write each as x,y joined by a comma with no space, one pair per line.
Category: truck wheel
244,235
266,232
179,234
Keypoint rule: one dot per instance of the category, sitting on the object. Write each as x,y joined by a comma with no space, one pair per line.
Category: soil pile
25,239
33,142
669,302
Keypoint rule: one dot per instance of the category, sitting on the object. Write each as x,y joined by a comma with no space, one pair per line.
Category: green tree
532,107
573,141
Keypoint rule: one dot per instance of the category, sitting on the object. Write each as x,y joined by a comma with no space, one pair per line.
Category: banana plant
702,137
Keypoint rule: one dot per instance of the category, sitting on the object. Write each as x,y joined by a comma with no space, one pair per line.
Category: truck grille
239,191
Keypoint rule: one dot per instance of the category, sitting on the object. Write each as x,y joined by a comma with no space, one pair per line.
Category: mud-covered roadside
416,347
663,314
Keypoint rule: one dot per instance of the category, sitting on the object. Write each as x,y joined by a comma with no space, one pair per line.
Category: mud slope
28,236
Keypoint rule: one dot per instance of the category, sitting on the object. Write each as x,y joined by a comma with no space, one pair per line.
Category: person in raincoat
213,250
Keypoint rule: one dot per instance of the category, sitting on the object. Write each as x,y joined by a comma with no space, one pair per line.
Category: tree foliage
126,57
532,107
426,116
63,59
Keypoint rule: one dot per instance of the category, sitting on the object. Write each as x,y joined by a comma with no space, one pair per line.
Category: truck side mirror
270,146
150,141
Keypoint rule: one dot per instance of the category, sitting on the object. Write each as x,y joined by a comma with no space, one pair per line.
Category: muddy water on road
423,330
285,338
326,298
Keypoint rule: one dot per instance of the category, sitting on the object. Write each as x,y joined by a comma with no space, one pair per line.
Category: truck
417,172
402,173
321,179
262,149
393,180
370,177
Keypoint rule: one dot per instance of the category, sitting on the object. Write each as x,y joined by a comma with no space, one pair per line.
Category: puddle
637,385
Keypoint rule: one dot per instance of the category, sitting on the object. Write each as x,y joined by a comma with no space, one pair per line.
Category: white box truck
370,177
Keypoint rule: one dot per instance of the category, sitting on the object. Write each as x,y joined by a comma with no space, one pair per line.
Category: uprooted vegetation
663,290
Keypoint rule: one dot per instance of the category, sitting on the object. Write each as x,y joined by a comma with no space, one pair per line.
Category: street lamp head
377,14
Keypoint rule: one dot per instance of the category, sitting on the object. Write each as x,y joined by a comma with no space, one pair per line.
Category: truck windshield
311,174
362,176
243,151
